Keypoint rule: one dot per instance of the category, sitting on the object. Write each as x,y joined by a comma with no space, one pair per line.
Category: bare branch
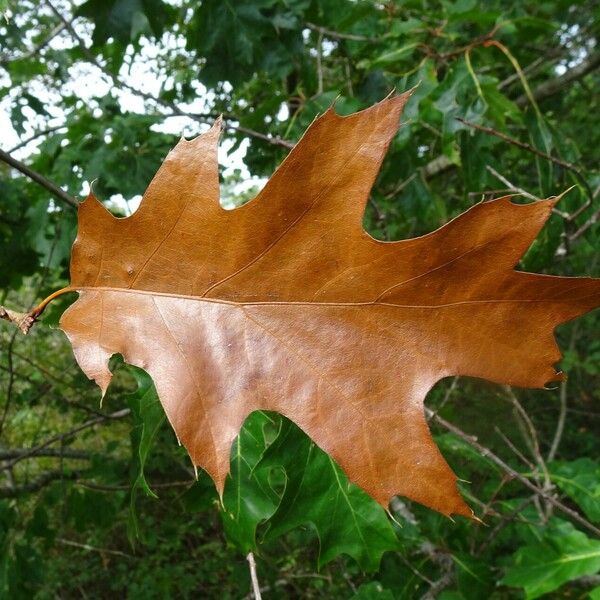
45,452
512,186
442,163
554,86
118,488
93,548
519,144
594,218
119,414
486,452
37,484
339,36
35,136
39,179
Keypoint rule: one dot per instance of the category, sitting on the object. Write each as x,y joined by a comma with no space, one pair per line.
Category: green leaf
148,418
473,577
580,480
317,492
125,20
541,138
563,554
239,38
372,591
248,498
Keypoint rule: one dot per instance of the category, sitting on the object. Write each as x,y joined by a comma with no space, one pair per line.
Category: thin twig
39,179
562,415
339,36
13,491
93,548
119,414
119,488
589,223
553,86
448,393
11,379
4,60
560,425
35,136
487,507
531,437
320,64
515,450
253,576
506,519
529,148
61,452
486,452
492,192
398,188
511,185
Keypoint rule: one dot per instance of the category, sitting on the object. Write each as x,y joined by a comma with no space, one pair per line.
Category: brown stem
25,321
37,311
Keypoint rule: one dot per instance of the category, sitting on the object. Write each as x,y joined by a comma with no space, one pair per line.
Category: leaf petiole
24,321
37,311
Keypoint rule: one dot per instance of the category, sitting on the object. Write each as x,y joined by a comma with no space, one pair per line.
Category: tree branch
118,488
37,484
553,86
35,136
253,576
541,92
73,453
490,131
486,452
94,548
39,179
5,60
176,111
119,414
339,36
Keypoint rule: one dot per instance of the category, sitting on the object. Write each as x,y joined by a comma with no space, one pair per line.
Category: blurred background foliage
100,502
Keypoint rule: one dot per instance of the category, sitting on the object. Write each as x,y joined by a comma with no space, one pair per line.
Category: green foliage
562,554
238,38
148,417
248,498
580,480
109,111
316,492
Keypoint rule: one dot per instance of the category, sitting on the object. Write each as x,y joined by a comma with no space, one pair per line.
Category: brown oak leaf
287,304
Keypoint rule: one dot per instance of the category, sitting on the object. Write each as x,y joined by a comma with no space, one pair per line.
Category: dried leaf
287,304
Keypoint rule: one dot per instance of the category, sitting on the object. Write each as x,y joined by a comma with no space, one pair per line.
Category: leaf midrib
323,304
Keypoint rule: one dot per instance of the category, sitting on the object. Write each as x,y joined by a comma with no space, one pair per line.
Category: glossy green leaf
148,418
561,555
317,493
580,480
248,497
